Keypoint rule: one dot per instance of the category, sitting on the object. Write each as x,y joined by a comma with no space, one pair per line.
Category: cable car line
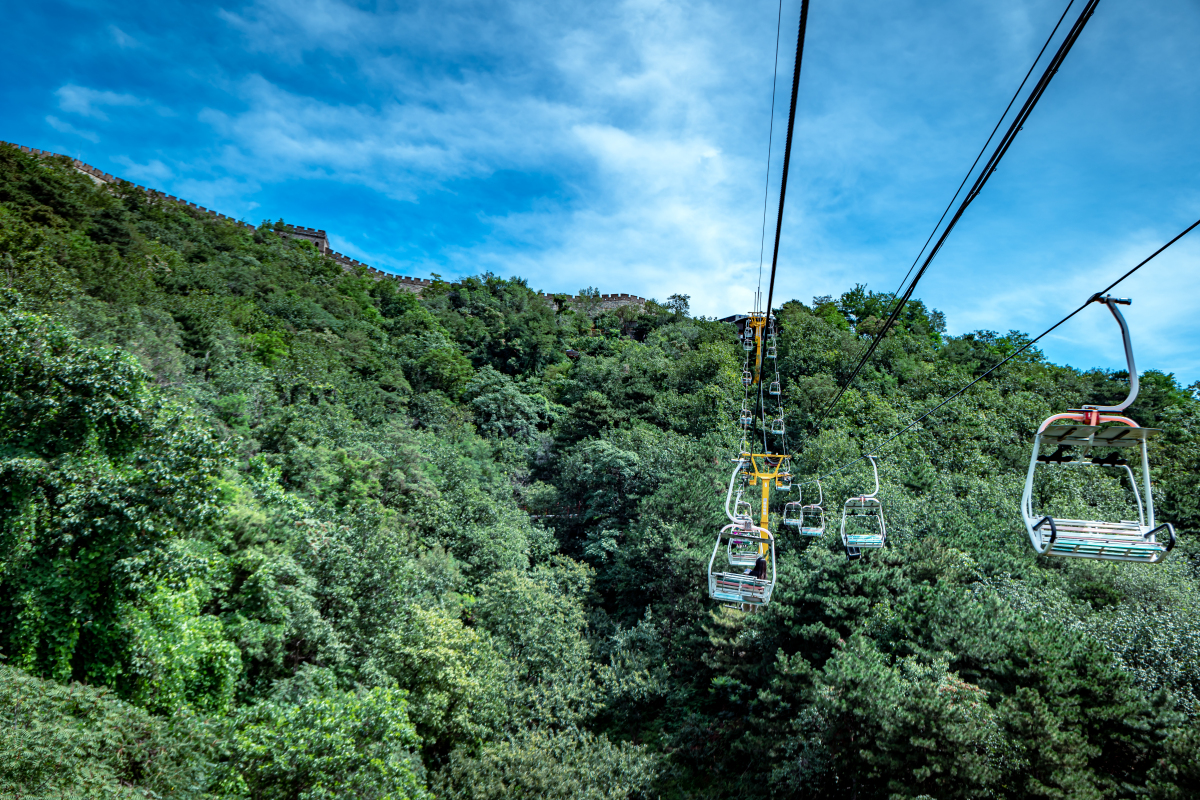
983,149
787,150
990,167
1094,298
747,543
762,242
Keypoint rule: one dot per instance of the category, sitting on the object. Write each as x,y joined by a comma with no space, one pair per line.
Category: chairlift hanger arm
1112,303
875,470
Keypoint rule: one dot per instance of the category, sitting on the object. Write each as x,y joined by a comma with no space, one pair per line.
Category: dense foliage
269,528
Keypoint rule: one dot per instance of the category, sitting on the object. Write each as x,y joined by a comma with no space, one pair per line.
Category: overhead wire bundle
958,393
986,172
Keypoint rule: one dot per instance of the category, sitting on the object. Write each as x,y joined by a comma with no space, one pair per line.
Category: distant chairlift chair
744,545
864,513
1088,428
812,517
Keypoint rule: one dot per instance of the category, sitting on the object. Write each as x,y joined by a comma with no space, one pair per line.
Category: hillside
270,528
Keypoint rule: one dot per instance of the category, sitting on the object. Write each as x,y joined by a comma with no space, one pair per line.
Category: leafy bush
557,766
77,742
311,741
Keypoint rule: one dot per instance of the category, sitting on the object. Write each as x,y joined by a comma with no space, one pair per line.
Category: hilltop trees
283,530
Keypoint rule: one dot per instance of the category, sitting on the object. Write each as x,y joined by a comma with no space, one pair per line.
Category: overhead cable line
988,168
875,450
787,150
983,149
762,242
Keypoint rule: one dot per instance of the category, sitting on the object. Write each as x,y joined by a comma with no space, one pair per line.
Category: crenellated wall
318,237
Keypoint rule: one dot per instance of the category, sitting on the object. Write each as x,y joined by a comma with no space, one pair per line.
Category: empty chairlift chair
863,526
775,389
1077,435
791,514
743,513
812,516
745,545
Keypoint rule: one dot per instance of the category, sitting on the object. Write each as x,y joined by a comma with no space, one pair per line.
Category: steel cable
875,450
787,149
983,149
762,242
990,167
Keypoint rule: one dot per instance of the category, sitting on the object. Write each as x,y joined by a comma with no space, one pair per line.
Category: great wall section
319,238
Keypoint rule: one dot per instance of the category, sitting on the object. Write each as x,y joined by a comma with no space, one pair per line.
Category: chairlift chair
866,513
772,350
777,425
736,589
812,516
775,389
747,377
743,511
1086,429
791,514
747,416
744,546
739,511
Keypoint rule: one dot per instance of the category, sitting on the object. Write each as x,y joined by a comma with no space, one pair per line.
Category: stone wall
318,237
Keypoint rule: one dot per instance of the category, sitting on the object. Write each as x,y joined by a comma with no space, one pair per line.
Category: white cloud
122,39
229,195
622,117
66,127
91,102
154,170
649,119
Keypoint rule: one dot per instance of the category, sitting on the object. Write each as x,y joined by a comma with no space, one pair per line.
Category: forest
271,529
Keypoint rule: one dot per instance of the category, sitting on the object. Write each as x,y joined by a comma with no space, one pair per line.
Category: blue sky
623,145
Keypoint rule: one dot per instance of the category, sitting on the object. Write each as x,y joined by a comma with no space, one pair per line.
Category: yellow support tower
744,543
767,469
758,321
